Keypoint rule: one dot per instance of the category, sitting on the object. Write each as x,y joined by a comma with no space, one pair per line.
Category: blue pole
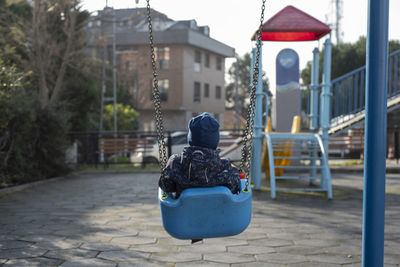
314,91
375,134
314,107
326,94
258,127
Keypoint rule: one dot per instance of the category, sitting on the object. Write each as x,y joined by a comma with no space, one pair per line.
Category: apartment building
191,64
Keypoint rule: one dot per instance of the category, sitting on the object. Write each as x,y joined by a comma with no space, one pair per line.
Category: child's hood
200,156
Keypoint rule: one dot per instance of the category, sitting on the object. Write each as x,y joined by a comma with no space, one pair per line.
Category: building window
162,57
197,61
129,65
163,86
207,61
218,92
196,95
206,90
219,63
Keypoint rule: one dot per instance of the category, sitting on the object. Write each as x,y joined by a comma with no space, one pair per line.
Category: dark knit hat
203,131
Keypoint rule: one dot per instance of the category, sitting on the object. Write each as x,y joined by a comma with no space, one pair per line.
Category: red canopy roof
292,24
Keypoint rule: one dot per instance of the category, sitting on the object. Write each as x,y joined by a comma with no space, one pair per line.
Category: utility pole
105,98
114,70
237,92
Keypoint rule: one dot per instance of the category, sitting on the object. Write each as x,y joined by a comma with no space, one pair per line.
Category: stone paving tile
250,249
251,234
317,242
332,236
270,242
300,250
88,263
114,233
203,248
201,263
5,237
281,258
288,236
42,238
225,241
157,234
176,257
58,244
125,255
336,259
90,238
8,244
68,254
152,248
392,249
392,258
258,264
344,250
32,262
174,241
143,263
133,240
229,257
316,264
20,253
103,246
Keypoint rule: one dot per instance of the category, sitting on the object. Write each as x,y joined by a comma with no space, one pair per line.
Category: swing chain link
156,98
247,148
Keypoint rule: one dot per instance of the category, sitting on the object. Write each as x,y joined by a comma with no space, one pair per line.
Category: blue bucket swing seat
206,212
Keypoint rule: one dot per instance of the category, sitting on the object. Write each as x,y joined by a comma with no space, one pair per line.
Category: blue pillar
314,108
258,128
375,134
326,94
314,91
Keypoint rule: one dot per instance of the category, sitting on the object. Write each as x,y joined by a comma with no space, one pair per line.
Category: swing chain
248,133
156,98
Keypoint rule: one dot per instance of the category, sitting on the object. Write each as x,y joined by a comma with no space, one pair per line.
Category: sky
233,22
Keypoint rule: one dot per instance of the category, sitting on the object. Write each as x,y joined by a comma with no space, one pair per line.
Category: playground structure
333,108
291,24
376,105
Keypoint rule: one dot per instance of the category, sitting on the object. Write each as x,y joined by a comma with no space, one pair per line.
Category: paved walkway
113,220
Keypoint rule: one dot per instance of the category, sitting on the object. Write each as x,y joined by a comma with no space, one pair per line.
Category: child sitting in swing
199,165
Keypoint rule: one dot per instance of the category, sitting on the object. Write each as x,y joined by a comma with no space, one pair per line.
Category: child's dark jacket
198,167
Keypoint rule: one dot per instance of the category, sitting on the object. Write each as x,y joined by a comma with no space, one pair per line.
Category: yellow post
279,162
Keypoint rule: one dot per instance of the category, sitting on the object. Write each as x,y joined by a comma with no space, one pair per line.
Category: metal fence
348,91
130,147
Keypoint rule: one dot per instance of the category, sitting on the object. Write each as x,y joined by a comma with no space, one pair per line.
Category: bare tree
53,34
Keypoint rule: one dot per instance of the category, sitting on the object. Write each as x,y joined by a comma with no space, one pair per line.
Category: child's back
199,165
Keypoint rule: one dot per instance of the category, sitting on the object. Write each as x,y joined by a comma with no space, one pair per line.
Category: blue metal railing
348,91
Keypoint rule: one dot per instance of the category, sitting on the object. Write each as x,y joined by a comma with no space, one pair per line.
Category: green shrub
32,140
